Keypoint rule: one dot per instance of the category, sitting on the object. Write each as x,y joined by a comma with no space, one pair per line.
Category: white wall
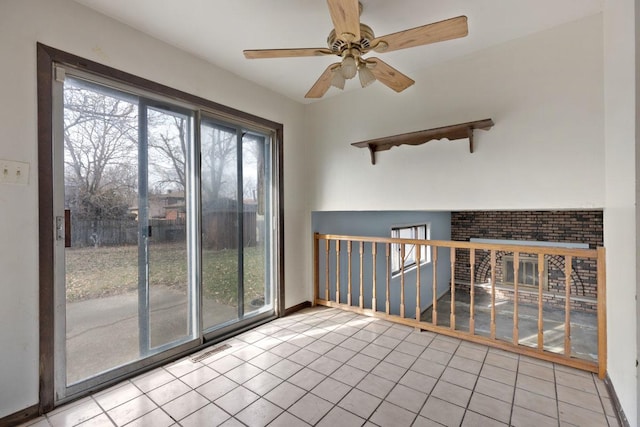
544,93
68,26
620,239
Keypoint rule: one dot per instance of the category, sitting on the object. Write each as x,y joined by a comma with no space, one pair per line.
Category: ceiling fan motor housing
363,45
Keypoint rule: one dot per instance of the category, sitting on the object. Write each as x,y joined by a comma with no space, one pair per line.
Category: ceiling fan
351,40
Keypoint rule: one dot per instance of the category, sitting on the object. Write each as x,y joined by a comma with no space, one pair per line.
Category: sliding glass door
164,220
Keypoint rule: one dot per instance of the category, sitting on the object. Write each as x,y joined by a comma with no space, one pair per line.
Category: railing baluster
567,305
326,275
349,273
493,294
418,282
516,268
374,252
402,249
388,278
540,302
338,271
361,275
434,307
452,319
472,267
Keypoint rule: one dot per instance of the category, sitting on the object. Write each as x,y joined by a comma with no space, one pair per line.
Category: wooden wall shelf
452,133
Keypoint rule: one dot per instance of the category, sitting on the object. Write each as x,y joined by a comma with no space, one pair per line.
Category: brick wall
547,226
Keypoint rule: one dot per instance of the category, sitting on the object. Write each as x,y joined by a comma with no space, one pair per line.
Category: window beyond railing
406,256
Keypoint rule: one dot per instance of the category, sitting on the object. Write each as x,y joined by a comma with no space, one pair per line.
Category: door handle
63,228
67,228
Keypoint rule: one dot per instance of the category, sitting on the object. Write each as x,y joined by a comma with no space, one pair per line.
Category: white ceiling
218,30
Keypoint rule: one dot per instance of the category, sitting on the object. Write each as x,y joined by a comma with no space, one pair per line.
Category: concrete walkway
103,333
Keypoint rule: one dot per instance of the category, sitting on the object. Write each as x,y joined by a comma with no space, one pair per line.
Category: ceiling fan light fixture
349,67
366,76
338,79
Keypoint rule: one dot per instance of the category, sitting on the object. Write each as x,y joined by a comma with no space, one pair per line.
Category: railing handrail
547,250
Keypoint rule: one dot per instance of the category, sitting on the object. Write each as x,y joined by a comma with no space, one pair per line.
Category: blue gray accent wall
379,224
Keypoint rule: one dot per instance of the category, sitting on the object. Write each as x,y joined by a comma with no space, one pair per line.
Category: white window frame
413,231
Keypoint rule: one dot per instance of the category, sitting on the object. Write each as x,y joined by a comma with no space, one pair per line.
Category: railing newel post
602,311
316,268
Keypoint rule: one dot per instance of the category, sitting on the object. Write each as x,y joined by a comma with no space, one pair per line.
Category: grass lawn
105,271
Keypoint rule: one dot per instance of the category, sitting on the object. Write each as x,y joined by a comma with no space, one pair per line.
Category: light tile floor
327,367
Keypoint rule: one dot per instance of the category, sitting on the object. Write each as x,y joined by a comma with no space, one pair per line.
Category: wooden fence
220,231
354,273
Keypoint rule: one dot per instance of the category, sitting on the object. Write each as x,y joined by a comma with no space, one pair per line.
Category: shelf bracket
372,152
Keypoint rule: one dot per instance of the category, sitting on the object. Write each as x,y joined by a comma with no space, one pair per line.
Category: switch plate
13,172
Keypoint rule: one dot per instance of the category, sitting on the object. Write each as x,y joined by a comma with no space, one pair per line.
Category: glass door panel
220,224
100,256
255,227
168,136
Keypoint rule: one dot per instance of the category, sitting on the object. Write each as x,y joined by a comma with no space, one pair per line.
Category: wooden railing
533,316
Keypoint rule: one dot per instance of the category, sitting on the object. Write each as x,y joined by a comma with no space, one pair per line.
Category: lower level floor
327,367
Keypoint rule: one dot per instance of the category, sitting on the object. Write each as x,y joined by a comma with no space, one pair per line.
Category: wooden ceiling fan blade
431,33
345,15
388,75
286,53
321,86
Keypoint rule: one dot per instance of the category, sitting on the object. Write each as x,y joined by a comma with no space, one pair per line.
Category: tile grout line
513,396
555,387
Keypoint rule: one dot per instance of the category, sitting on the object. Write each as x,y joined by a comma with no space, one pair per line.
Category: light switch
13,172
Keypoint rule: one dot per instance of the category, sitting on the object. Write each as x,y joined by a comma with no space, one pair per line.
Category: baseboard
622,419
297,307
20,417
